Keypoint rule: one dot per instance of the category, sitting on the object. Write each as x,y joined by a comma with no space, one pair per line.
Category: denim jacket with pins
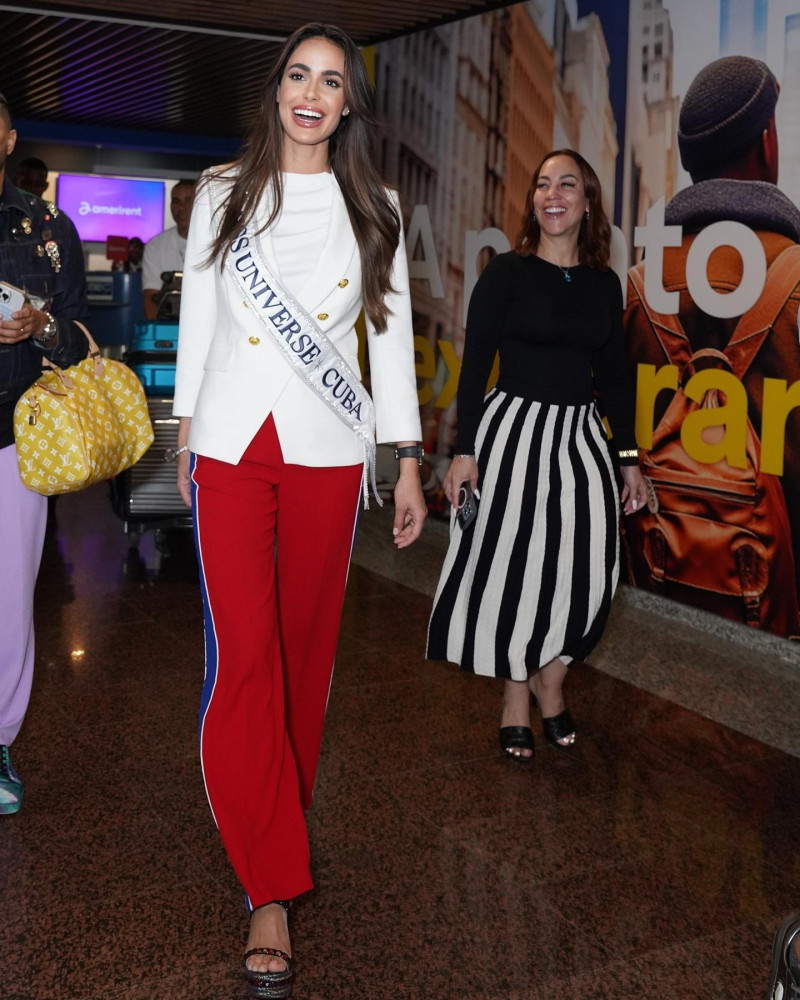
41,253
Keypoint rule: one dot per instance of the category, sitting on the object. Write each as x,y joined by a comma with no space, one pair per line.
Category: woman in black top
526,588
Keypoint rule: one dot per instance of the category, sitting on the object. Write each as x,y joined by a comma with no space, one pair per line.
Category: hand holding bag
77,426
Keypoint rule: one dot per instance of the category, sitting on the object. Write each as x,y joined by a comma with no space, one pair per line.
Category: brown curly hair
594,236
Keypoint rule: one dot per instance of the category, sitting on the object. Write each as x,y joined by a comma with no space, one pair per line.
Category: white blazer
231,375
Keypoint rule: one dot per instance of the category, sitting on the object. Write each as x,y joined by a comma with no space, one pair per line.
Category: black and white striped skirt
533,577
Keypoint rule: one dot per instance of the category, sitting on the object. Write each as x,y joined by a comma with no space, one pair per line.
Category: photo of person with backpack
719,536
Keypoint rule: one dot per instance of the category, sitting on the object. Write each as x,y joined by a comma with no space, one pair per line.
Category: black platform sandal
517,738
559,727
270,985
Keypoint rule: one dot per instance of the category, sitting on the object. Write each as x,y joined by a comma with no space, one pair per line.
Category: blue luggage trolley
146,496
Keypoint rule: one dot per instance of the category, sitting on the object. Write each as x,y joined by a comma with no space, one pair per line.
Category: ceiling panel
192,72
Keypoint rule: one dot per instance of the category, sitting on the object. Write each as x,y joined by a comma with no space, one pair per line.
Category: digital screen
111,206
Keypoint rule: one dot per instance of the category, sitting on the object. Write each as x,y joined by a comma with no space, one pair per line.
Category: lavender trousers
23,519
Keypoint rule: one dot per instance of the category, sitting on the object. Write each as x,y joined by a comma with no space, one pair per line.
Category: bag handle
66,382
93,354
667,327
752,329
94,350
691,368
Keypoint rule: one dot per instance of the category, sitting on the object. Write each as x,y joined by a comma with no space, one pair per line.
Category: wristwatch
410,451
49,332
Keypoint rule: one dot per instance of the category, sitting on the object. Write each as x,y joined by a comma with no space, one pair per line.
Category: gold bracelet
629,453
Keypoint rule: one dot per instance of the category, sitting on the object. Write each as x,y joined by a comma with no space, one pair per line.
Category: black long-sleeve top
558,341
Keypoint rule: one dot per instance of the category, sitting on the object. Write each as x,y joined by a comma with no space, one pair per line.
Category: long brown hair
594,236
375,221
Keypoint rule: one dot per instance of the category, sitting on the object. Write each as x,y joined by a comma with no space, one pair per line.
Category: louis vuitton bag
77,426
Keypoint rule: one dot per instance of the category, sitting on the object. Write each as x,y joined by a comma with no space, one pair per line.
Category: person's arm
70,302
65,342
183,461
488,306
197,324
394,390
198,317
392,363
485,317
613,381
410,509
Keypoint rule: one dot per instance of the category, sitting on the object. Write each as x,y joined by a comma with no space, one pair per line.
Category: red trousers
274,543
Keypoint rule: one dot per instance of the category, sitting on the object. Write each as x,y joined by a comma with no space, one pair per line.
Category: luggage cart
146,496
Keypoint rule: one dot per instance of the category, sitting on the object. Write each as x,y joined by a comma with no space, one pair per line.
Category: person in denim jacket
41,254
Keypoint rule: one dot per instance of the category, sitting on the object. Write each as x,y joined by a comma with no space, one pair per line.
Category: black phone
467,509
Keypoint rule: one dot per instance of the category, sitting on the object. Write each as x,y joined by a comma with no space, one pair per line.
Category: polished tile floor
654,862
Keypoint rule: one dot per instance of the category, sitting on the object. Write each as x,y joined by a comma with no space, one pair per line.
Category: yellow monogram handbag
77,426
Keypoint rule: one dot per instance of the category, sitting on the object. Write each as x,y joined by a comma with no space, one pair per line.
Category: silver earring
346,111
586,215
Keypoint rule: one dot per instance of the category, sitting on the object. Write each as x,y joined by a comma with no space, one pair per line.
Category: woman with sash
527,587
276,447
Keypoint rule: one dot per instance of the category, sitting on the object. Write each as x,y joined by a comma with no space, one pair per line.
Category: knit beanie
726,108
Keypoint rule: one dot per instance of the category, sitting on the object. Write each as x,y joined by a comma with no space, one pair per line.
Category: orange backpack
715,536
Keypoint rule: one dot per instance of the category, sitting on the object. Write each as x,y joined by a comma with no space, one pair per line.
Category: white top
231,373
165,252
300,232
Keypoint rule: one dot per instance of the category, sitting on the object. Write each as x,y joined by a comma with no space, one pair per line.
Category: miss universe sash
306,348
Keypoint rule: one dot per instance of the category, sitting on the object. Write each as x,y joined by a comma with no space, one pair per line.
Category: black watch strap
410,451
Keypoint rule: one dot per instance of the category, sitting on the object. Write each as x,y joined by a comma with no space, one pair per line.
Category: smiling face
559,200
311,101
